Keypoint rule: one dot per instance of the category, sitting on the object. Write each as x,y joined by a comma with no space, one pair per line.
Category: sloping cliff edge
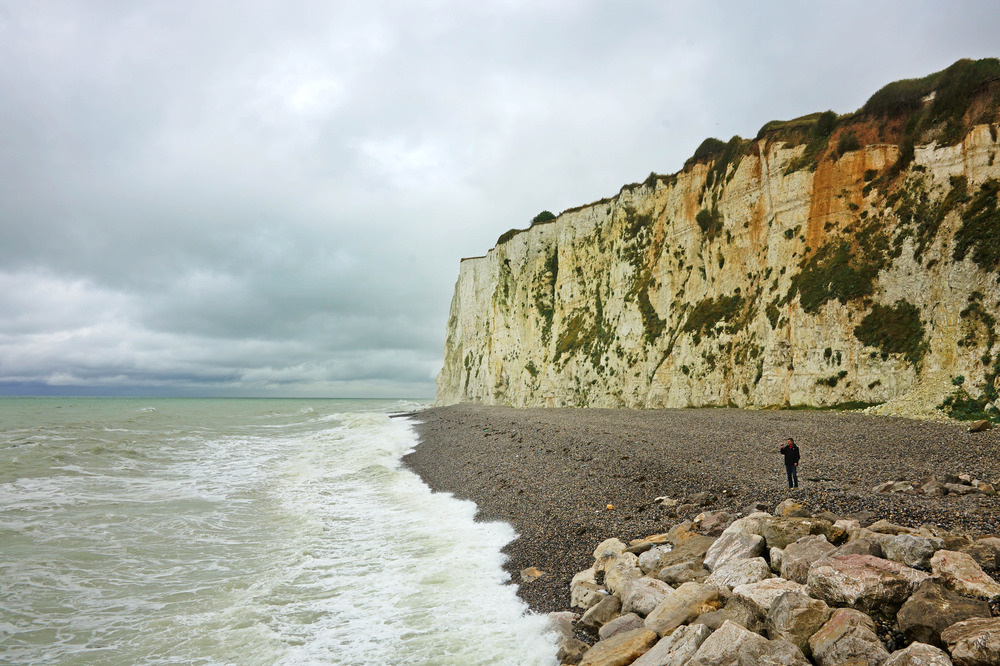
832,259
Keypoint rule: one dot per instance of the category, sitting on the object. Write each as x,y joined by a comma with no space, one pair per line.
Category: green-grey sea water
176,531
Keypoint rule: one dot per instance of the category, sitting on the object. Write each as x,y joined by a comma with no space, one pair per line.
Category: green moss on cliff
895,329
709,313
980,230
835,271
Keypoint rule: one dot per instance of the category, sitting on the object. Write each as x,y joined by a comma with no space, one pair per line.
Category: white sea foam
231,544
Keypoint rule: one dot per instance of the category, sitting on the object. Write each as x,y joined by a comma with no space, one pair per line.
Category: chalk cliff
830,260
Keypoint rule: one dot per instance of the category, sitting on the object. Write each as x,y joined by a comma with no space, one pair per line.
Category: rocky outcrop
829,260
855,608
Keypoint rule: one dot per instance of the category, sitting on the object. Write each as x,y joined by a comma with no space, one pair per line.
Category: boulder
798,557
913,551
619,625
980,426
863,582
932,609
645,594
733,546
649,560
739,572
885,527
759,597
974,642
986,553
691,548
961,573
621,649
848,637
749,524
770,653
713,523
737,611
722,648
919,654
686,572
775,555
791,508
779,531
621,572
961,489
570,648
639,546
584,591
883,487
685,604
603,612
866,543
606,553
794,617
677,648
934,488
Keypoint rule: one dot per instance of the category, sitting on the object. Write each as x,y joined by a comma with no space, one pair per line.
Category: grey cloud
263,197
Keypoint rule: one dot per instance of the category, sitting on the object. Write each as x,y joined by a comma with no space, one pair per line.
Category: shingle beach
551,473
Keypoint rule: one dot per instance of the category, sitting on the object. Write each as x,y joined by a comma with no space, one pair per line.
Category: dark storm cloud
272,198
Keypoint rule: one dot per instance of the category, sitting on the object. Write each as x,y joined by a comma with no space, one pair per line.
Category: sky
271,198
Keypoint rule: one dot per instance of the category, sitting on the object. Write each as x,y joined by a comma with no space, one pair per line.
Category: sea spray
243,531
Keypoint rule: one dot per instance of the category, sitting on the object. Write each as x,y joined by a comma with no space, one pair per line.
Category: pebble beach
567,479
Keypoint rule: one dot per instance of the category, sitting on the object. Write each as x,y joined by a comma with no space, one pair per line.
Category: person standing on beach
791,453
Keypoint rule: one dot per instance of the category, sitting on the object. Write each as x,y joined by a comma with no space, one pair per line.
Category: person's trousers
793,476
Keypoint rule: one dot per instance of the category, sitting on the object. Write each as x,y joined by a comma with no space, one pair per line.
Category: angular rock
932,609
980,426
913,551
775,555
584,591
885,527
603,612
760,597
778,532
649,561
621,649
934,489
866,543
740,572
798,557
733,546
722,648
530,574
619,625
863,582
621,572
677,648
883,487
713,523
749,524
960,489
790,507
570,649
974,642
986,553
690,548
645,594
606,553
919,654
685,604
848,637
686,572
770,653
961,573
794,617
639,546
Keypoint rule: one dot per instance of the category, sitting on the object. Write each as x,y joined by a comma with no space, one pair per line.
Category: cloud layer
264,198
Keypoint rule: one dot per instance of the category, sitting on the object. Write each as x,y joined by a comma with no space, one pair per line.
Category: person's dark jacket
791,454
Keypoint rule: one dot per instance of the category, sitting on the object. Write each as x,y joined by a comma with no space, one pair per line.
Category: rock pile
949,484
786,588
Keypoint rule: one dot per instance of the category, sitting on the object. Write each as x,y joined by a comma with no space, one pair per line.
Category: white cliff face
751,284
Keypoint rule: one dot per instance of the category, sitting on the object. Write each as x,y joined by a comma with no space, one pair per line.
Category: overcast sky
272,198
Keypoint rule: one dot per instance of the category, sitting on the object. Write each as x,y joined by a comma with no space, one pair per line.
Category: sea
242,531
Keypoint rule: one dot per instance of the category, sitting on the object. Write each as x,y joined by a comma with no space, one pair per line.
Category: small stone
980,426
530,574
